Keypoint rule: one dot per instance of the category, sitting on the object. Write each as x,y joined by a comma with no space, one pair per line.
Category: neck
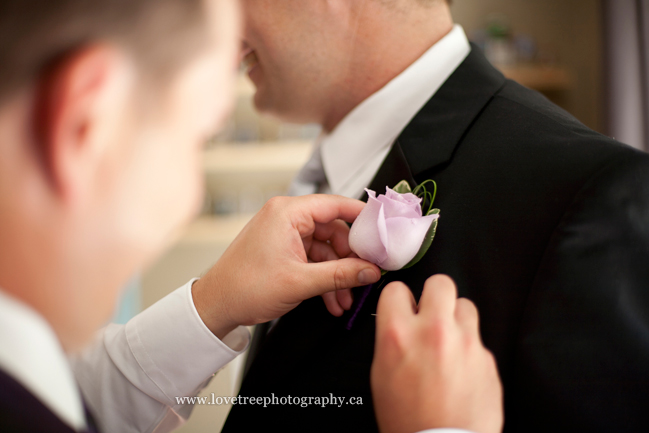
388,40
63,257
75,294
44,263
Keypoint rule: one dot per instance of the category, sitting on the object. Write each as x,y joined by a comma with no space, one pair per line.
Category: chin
281,112
261,101
264,99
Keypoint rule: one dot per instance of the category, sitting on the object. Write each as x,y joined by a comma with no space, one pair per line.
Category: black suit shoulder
522,138
542,126
537,104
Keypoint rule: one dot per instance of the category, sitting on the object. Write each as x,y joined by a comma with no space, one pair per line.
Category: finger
396,303
438,298
336,232
345,298
331,302
466,315
340,274
322,252
322,208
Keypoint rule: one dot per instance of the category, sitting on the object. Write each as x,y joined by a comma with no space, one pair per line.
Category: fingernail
367,276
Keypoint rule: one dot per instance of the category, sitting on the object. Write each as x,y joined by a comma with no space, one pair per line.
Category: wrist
211,308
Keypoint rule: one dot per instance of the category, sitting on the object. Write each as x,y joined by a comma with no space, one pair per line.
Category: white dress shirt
353,152
131,373
345,161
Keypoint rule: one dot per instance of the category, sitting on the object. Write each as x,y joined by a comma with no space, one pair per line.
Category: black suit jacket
544,225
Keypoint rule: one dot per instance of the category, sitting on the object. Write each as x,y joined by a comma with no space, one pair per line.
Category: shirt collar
31,353
371,127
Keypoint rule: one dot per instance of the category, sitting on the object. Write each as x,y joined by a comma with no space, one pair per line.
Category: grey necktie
311,178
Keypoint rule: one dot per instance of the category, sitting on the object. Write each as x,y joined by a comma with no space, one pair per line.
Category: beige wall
571,29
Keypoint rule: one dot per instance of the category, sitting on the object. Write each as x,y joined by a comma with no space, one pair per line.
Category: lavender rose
390,230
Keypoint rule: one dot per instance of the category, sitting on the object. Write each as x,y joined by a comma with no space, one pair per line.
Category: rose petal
394,209
368,237
408,200
405,236
405,198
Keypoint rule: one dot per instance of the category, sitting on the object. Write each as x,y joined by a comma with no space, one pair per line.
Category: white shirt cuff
175,349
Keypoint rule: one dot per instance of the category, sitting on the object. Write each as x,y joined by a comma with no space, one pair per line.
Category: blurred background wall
566,34
576,52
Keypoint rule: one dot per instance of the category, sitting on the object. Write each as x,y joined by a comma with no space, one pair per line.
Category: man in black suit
544,223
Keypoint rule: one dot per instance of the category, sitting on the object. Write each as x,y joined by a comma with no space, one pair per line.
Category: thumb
340,274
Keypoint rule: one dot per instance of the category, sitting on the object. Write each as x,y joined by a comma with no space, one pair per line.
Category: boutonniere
395,230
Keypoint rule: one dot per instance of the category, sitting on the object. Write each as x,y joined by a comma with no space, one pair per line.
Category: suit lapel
432,136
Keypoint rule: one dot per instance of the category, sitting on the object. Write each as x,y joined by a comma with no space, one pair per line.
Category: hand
430,368
266,271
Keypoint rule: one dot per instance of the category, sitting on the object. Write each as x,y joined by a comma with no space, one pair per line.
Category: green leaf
428,241
383,272
433,212
402,187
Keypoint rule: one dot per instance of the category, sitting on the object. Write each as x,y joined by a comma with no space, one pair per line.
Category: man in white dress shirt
104,106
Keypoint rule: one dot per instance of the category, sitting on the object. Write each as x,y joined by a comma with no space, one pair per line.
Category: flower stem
361,301
359,306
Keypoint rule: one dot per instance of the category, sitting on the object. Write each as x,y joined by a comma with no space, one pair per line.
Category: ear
72,101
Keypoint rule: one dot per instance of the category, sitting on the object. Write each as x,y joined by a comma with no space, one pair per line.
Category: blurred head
104,108
315,60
